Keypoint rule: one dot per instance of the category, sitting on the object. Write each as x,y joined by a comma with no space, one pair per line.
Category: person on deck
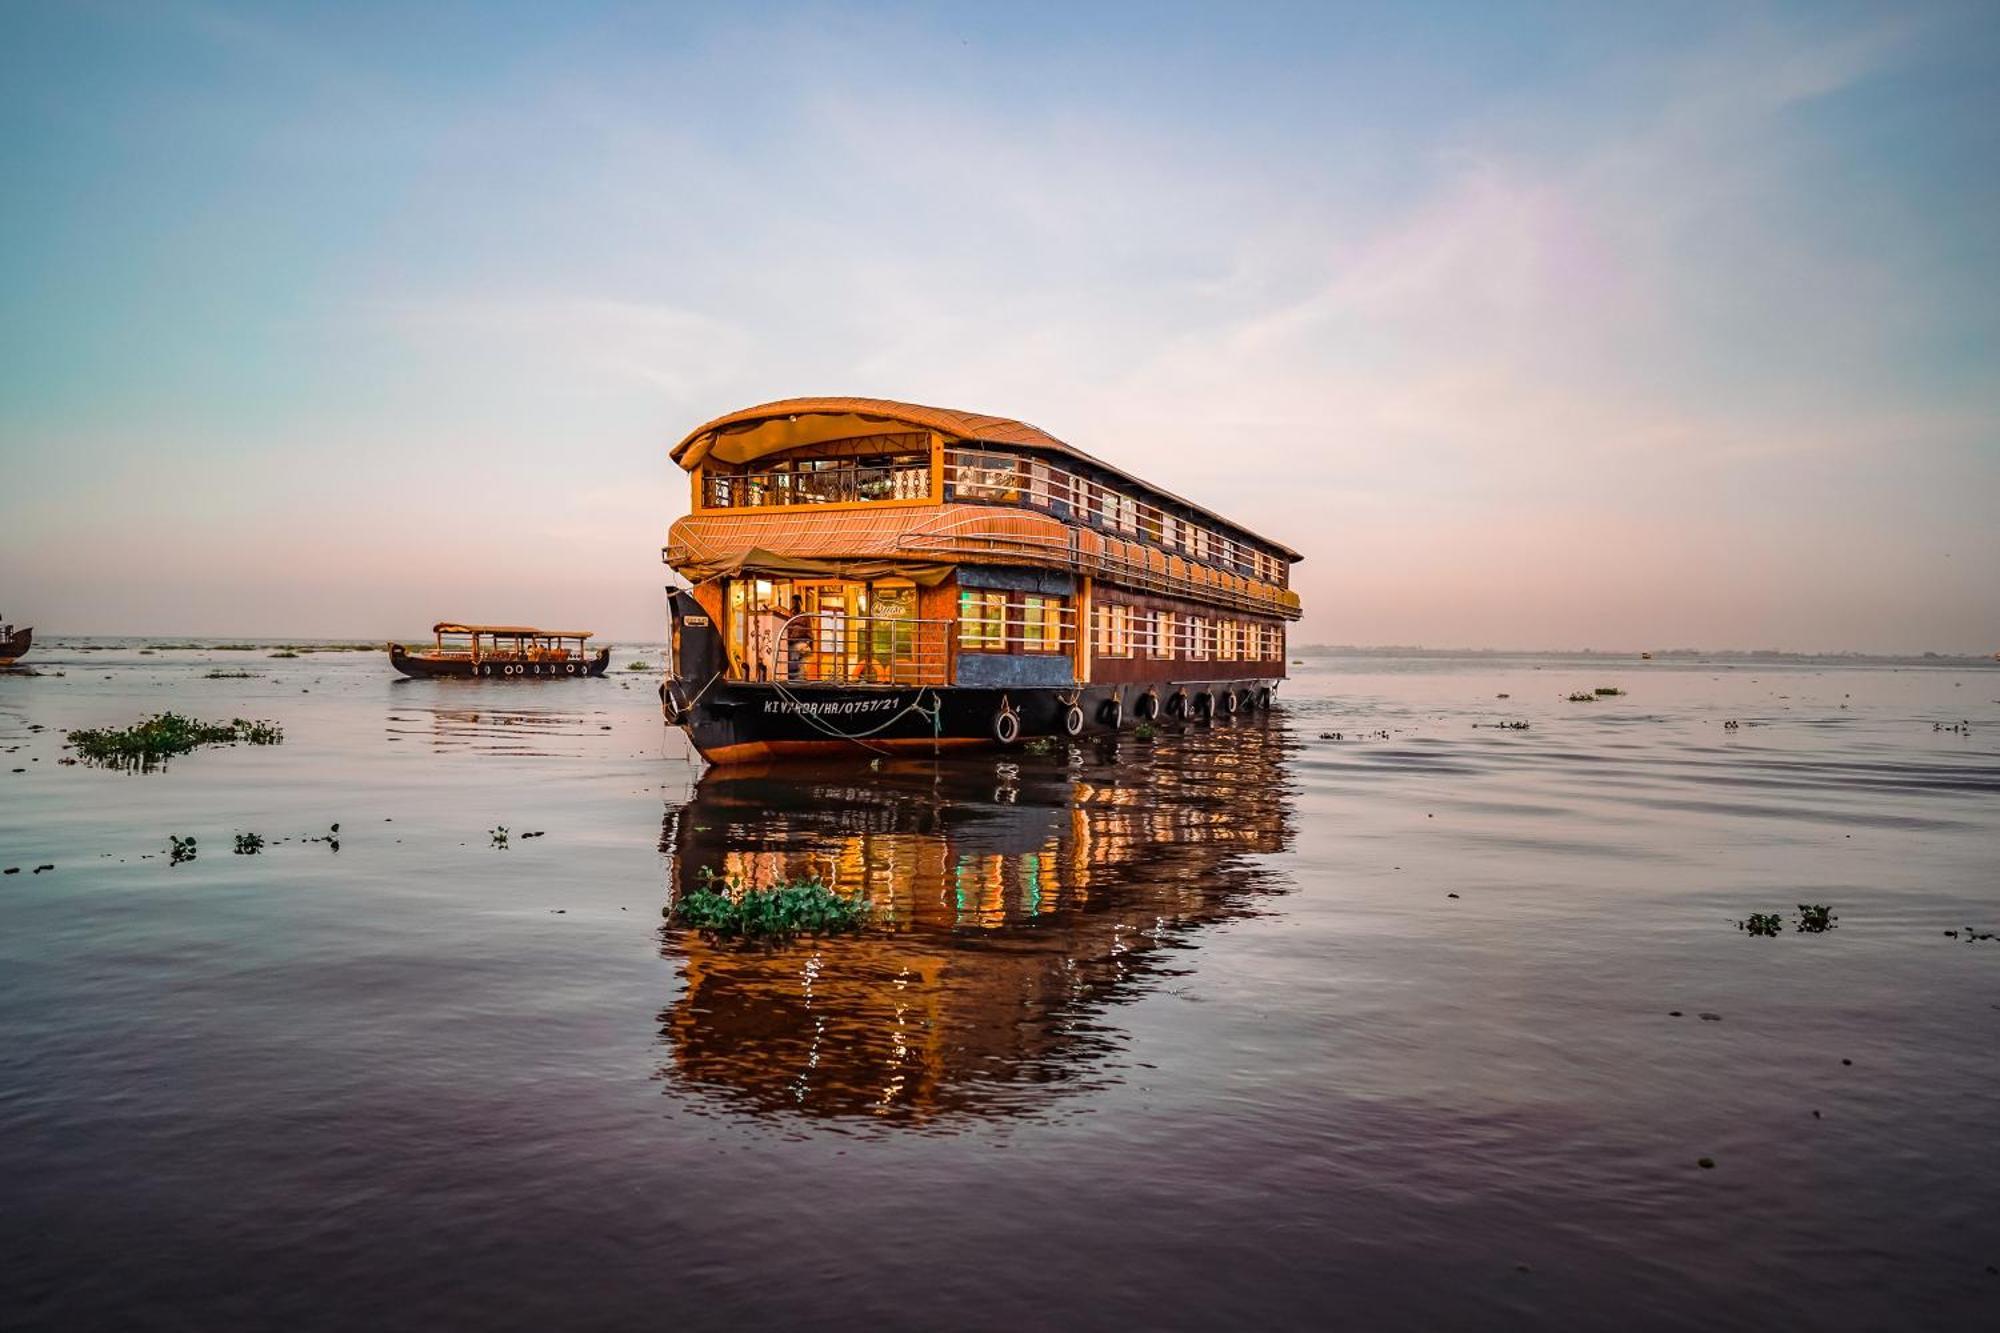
798,643
764,641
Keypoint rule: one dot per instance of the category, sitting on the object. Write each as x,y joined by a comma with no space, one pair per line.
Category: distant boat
14,643
501,652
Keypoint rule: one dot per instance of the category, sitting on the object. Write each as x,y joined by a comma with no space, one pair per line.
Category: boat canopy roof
509,631
750,433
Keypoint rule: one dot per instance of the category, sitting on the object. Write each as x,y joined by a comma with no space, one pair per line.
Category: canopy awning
510,631
760,563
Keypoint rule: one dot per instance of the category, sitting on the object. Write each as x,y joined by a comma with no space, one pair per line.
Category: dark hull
495,668
739,722
16,644
742,722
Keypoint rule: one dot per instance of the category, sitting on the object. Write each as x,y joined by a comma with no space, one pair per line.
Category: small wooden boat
14,643
501,652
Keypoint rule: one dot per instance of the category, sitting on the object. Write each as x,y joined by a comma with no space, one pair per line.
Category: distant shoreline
1656,654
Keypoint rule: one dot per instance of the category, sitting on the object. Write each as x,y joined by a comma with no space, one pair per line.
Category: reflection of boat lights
1005,927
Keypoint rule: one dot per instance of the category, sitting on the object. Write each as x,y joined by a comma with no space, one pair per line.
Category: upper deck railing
972,474
843,483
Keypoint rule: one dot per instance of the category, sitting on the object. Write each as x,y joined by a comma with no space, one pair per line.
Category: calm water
1193,1035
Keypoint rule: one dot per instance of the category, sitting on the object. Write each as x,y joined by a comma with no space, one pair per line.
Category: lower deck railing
829,648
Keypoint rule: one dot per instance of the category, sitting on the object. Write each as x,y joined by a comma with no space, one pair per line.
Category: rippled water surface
1369,1014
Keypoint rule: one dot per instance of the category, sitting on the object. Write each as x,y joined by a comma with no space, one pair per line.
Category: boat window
1145,634
1195,641
1017,622
1042,625
896,467
1113,625
982,620
988,477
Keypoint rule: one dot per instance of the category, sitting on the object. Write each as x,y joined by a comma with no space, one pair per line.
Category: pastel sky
1532,326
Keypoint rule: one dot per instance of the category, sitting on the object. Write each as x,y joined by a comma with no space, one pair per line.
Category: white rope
934,713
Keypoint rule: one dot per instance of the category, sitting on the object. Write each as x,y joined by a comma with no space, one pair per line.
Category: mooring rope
916,705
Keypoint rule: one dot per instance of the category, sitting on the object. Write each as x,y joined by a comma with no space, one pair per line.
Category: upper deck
900,483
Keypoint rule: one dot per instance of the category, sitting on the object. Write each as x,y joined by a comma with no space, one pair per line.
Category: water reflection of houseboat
901,577
1014,908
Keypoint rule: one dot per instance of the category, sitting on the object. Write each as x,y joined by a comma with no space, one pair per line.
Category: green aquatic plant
1040,745
1583,697
219,674
720,906
1762,923
181,849
499,836
1607,691
1816,918
638,665
164,735
1144,731
284,652
249,844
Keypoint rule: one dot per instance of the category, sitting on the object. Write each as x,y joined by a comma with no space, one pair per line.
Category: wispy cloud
1528,358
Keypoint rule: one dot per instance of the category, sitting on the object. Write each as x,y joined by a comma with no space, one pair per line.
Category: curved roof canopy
750,433
509,631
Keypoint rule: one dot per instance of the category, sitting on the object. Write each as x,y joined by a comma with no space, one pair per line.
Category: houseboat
501,652
14,643
874,577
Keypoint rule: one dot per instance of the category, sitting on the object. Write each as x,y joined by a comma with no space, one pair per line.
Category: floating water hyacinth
802,907
149,744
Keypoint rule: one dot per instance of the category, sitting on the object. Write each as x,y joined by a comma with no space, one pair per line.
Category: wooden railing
1013,479
848,484
829,648
1043,627
1119,560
